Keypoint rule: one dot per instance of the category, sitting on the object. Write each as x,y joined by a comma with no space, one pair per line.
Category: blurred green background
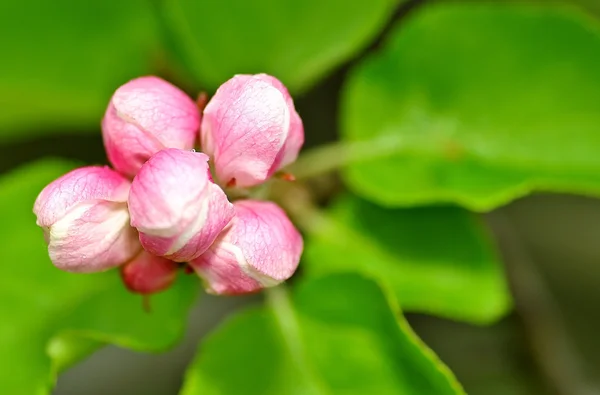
494,107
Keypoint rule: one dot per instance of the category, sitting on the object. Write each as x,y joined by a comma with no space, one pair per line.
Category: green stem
336,155
279,300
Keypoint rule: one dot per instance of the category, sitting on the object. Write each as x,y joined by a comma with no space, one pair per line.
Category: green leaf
66,349
485,103
337,335
49,318
435,259
296,41
63,59
591,6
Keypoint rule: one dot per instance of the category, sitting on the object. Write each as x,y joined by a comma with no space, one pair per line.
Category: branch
552,348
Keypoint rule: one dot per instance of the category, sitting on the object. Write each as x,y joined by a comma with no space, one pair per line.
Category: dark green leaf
592,6
62,59
296,41
485,103
50,319
337,335
436,259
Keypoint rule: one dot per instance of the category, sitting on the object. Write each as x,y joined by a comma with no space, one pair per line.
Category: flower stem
336,155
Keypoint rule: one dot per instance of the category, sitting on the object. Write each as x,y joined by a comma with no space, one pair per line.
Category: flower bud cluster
159,208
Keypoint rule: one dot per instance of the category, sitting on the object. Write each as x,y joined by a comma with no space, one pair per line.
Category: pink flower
144,116
85,220
260,249
146,273
176,207
95,219
251,129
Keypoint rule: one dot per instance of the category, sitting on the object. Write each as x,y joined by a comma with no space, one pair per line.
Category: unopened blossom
260,249
144,116
147,273
85,220
176,207
251,129
95,218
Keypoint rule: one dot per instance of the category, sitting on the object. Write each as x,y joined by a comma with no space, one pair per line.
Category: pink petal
146,273
144,116
85,220
80,185
246,128
94,236
178,211
222,274
261,248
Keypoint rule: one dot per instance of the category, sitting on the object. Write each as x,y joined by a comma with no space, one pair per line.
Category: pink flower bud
144,116
176,207
146,273
85,220
251,129
260,249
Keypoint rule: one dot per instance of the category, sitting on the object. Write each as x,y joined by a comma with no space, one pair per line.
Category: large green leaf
62,59
483,102
592,6
297,41
435,259
48,318
337,335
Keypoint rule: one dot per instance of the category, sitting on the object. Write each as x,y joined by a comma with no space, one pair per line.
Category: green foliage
297,41
467,103
50,319
337,335
591,6
63,59
435,259
485,102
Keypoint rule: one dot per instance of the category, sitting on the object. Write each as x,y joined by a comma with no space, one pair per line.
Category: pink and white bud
176,207
251,129
144,116
85,220
147,274
260,249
